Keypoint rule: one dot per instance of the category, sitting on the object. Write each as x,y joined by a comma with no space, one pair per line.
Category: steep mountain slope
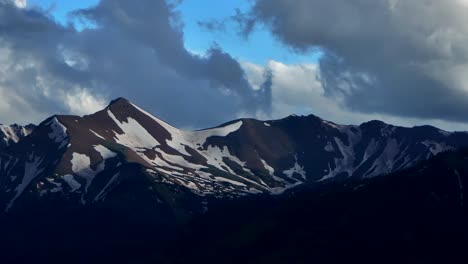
417,215
13,134
85,160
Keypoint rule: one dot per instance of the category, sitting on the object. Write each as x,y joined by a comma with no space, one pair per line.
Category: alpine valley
123,185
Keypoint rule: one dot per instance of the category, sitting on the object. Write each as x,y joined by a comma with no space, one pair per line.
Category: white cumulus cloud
297,88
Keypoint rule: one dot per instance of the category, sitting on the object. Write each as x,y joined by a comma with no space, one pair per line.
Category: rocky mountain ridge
85,159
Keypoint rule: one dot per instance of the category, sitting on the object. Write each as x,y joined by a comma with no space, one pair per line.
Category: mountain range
85,158
123,159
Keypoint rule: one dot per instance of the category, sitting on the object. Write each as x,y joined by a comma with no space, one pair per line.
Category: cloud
212,25
81,102
133,49
244,22
297,88
386,57
240,20
21,3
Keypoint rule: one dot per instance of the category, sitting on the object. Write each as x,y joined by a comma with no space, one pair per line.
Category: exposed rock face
85,160
13,134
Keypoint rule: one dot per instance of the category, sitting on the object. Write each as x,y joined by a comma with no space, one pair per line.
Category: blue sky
363,79
60,9
259,48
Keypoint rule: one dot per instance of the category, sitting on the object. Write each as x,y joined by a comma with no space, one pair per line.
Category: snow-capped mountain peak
86,158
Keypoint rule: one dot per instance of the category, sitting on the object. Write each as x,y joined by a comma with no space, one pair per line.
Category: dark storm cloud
135,49
25,55
406,58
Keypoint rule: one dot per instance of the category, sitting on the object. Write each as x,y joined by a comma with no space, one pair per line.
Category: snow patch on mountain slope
281,190
333,125
159,162
102,194
386,161
178,143
267,167
435,147
181,138
387,130
200,137
13,133
58,133
96,134
31,171
7,163
445,133
134,135
230,181
195,139
105,152
295,169
180,161
187,183
370,150
81,166
9,134
215,157
346,162
70,180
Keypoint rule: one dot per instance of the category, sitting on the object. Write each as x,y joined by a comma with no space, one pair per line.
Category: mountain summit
86,160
